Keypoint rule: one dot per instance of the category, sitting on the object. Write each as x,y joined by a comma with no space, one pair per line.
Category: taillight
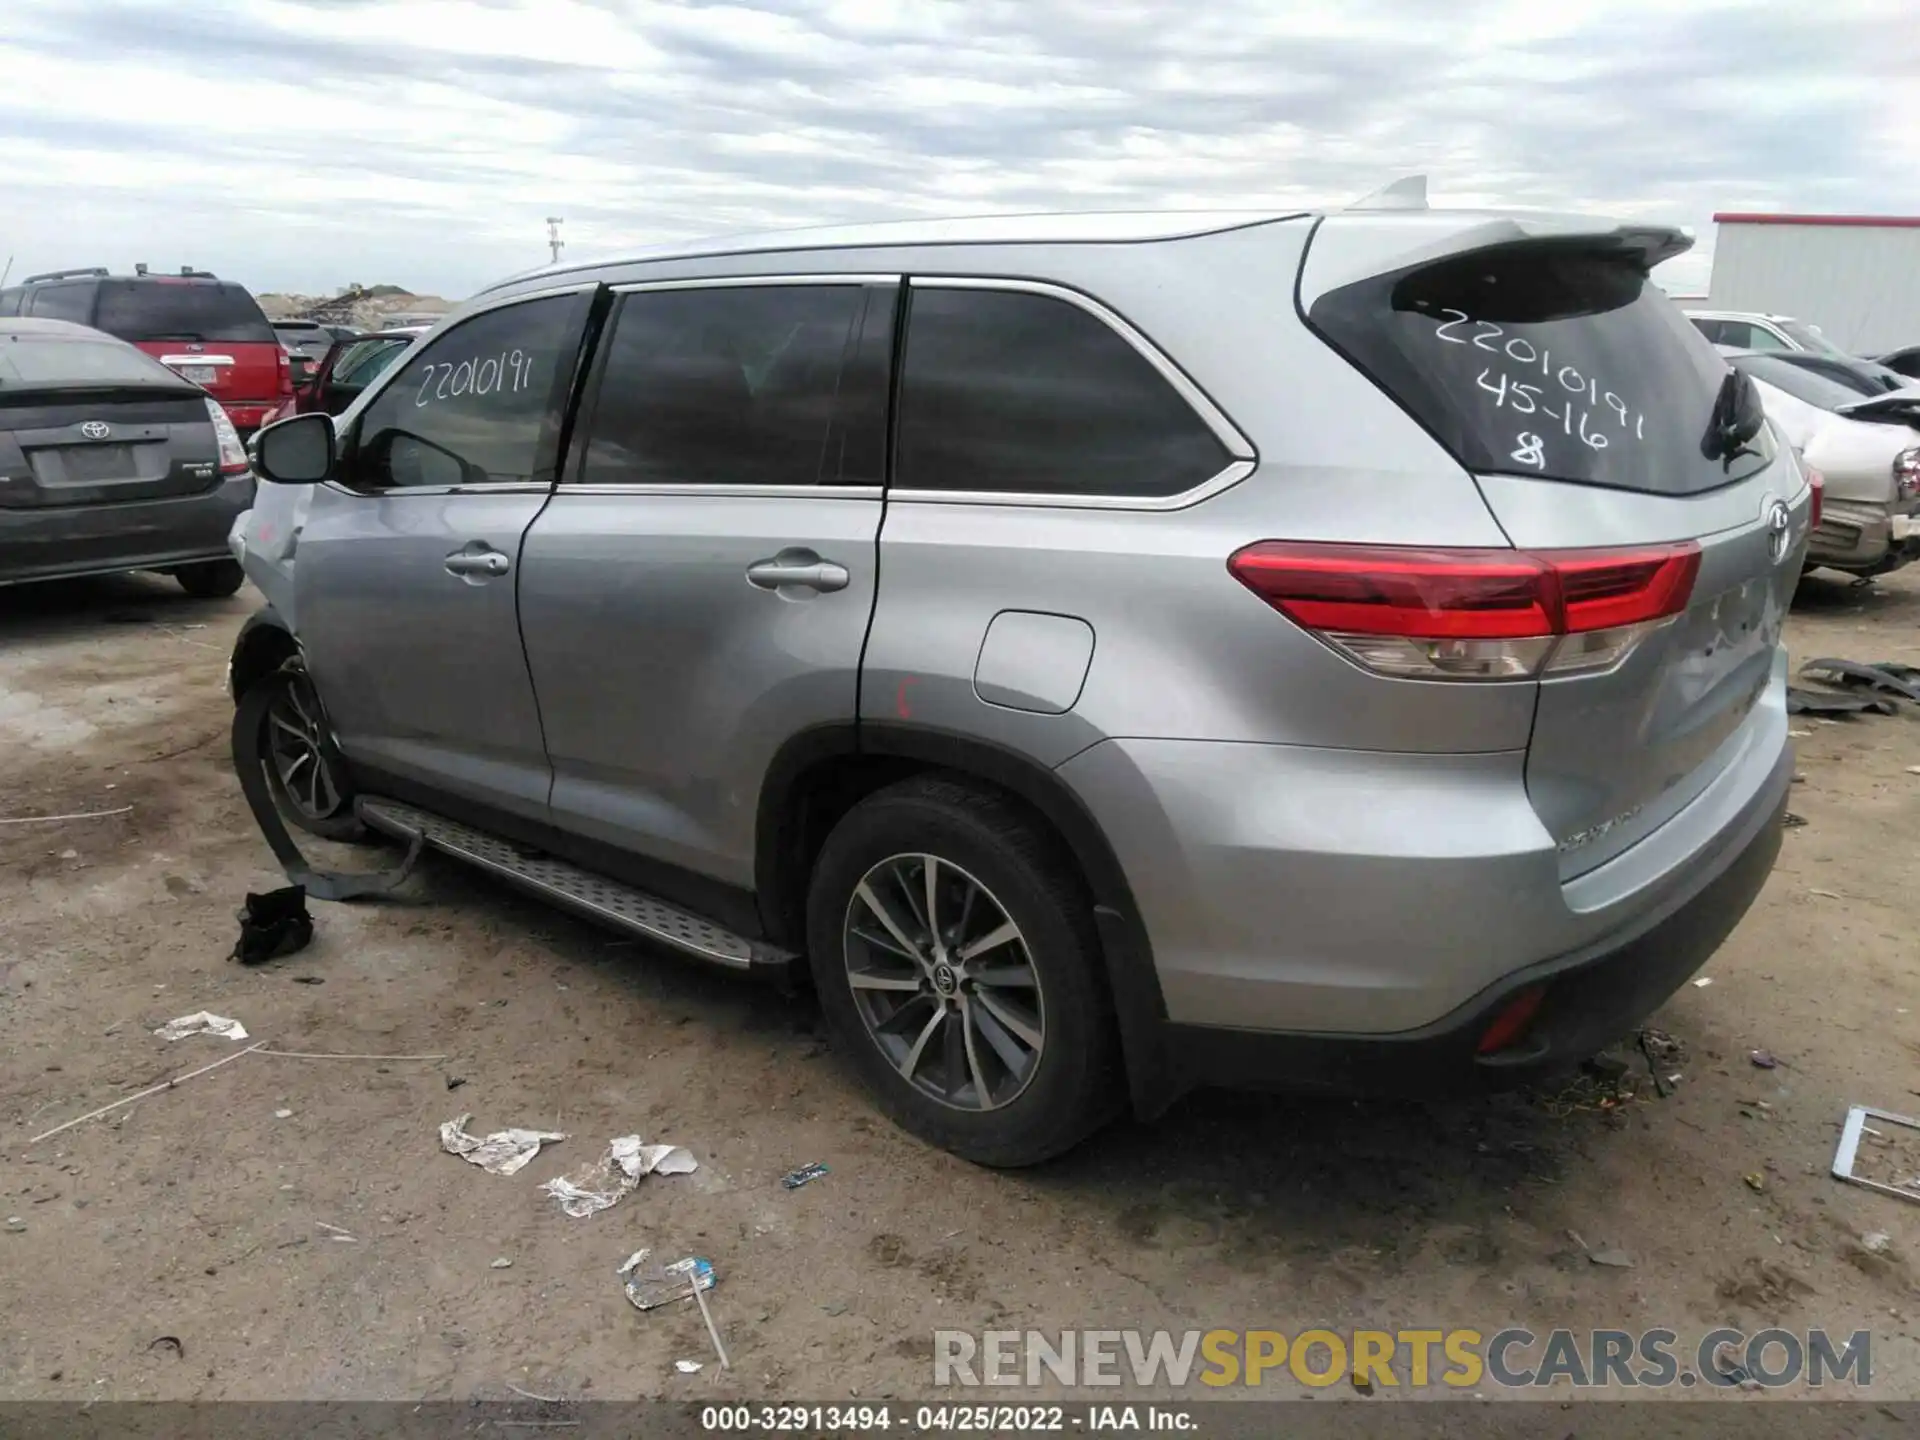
1817,483
1473,614
286,371
1906,473
233,454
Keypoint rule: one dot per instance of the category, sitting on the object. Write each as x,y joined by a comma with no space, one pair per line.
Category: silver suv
1120,653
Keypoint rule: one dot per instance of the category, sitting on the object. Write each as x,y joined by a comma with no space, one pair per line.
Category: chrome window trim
1243,457
388,376
760,492
735,282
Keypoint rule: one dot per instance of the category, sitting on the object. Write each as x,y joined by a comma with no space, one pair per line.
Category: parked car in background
745,596
208,330
1863,377
1741,330
110,461
1906,361
306,343
1867,450
346,369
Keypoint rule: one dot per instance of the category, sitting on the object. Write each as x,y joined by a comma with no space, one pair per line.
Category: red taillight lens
1818,484
286,372
1472,614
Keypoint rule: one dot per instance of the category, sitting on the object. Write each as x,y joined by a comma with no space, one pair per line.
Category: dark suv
207,330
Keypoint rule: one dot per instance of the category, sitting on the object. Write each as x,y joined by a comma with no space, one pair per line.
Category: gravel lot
206,1215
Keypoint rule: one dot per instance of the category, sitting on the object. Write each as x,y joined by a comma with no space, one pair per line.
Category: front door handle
800,569
478,562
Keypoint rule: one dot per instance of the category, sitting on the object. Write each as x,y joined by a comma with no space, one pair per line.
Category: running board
582,891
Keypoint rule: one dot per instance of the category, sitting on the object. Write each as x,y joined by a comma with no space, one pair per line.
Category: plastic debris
1876,1242
1612,1258
503,1263
1762,1060
650,1287
501,1153
283,1114
616,1174
276,923
689,1367
1703,982
1755,1180
794,1179
205,1022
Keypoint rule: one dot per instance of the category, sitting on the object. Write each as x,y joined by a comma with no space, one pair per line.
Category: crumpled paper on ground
616,1174
205,1022
501,1153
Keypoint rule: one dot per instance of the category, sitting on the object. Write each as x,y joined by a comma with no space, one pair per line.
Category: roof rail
192,274
1407,193
88,270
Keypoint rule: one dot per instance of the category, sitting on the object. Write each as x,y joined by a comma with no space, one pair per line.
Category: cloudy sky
302,144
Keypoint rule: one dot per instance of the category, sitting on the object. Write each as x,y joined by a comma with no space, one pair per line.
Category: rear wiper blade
1728,430
177,335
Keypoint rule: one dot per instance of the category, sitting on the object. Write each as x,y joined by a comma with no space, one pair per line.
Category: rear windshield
1546,360
1797,381
1808,337
180,310
32,362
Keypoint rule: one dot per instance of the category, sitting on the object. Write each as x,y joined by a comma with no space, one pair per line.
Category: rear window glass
1797,381
172,310
1546,361
78,362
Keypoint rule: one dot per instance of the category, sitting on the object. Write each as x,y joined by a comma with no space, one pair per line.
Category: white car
1730,330
1868,451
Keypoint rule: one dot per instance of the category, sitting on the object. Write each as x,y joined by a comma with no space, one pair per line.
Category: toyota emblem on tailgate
1779,530
96,429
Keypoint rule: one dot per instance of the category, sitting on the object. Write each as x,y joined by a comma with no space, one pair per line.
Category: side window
62,302
1759,337
479,406
10,301
1013,392
731,385
1715,331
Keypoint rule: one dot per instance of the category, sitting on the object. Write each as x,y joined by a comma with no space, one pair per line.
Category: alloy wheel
297,751
944,982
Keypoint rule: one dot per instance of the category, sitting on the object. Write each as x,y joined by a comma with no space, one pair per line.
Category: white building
1855,276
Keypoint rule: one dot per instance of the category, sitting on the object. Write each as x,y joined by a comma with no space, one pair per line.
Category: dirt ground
193,1245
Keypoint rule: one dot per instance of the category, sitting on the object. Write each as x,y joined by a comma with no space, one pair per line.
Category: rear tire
211,579
1004,1053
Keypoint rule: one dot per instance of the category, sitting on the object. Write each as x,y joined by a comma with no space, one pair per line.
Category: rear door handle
801,569
482,562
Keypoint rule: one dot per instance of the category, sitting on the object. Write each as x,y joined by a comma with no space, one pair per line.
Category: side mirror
295,451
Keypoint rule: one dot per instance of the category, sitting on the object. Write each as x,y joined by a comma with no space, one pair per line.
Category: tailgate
65,453
233,372
1596,419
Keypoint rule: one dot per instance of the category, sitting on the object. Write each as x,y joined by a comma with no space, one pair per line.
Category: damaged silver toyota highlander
1107,654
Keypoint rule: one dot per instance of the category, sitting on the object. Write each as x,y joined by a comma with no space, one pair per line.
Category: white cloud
302,145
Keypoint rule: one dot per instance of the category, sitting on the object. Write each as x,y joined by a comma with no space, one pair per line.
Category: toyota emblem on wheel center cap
95,429
1779,530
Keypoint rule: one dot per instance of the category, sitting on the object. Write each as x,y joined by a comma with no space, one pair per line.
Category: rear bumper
1864,536
1590,1001
102,539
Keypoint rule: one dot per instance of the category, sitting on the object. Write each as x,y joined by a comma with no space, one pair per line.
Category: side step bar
573,888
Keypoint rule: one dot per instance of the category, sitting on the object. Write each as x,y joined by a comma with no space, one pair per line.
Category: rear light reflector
233,454
1512,1021
1438,614
1818,484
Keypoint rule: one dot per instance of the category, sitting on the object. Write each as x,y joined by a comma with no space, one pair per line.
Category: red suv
208,330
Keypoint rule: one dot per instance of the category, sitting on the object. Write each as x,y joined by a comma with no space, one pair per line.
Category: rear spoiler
1377,240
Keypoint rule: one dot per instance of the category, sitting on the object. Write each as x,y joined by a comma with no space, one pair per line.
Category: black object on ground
276,923
1887,676
1831,702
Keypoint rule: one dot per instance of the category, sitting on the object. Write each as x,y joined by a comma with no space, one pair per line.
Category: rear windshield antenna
1407,193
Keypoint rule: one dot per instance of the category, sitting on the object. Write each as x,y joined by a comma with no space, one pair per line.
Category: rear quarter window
1556,362
148,310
